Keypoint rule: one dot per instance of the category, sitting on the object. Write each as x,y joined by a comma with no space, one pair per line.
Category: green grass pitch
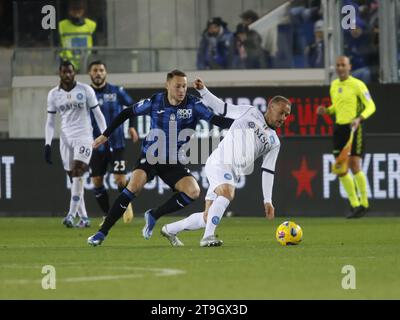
250,265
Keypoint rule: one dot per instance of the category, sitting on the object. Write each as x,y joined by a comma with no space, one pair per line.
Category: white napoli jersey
248,138
74,109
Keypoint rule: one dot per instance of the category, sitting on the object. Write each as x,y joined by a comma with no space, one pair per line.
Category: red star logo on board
304,176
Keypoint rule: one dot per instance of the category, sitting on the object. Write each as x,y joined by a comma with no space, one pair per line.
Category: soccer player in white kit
250,136
74,101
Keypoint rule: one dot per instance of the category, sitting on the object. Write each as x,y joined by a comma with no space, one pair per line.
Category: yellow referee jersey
350,99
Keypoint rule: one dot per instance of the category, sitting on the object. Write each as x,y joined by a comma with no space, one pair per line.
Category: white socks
215,214
194,222
76,195
82,208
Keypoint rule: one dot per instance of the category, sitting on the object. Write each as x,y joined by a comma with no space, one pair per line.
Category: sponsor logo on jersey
184,113
261,136
367,95
110,97
71,106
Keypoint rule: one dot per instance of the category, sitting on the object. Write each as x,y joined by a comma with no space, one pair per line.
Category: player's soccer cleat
210,241
128,214
102,221
83,223
96,239
148,227
172,238
68,221
355,212
361,213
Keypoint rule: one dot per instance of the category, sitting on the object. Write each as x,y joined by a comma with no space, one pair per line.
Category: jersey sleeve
268,173
91,98
51,108
202,111
366,99
269,160
331,109
220,107
143,107
124,98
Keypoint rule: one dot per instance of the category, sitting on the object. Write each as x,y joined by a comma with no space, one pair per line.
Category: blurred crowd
297,41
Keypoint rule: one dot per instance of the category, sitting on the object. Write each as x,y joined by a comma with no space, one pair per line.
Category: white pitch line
158,272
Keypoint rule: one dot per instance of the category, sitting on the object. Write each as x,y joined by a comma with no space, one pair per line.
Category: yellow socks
361,183
348,184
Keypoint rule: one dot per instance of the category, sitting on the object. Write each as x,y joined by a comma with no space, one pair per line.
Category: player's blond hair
280,100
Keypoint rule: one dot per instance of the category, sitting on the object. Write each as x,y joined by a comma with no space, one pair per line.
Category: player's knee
77,172
226,191
354,167
135,186
120,181
79,168
97,182
193,192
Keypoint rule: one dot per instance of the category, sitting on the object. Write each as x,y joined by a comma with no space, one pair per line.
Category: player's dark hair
66,64
280,99
95,63
176,72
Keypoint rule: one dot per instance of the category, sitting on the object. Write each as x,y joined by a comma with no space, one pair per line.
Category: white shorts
80,150
217,175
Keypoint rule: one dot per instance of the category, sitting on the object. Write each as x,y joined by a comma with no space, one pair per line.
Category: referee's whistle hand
99,141
321,110
355,124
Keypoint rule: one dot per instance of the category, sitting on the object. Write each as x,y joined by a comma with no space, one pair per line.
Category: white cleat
172,238
68,221
128,214
210,241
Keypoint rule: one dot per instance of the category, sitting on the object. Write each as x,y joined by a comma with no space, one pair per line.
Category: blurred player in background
250,136
171,113
351,105
76,34
74,101
112,100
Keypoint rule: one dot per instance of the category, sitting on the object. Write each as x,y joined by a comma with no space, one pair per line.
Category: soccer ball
289,233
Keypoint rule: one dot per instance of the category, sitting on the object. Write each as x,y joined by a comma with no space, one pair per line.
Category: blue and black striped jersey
171,120
112,100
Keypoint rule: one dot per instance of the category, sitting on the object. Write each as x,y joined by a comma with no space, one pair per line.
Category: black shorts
101,159
341,135
169,173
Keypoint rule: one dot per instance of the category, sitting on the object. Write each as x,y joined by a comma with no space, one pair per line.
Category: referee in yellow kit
352,105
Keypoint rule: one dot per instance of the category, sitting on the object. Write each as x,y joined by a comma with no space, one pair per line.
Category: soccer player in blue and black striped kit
171,112
112,100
